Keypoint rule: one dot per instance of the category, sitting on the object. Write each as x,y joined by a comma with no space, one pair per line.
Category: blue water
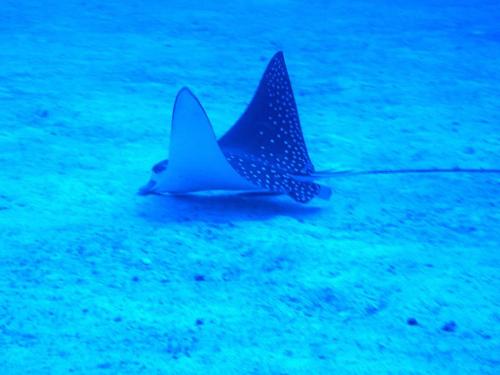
394,275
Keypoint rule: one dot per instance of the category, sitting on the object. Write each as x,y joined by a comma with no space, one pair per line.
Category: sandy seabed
395,275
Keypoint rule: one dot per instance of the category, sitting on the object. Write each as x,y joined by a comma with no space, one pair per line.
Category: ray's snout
157,169
148,188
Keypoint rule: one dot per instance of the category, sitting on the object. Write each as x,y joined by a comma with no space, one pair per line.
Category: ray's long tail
334,173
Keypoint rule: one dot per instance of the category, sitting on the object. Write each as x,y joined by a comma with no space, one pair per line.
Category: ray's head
157,176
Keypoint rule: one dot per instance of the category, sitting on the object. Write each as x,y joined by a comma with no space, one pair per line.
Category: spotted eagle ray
264,152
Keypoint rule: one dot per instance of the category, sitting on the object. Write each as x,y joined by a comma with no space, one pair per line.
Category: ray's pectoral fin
266,145
270,129
195,159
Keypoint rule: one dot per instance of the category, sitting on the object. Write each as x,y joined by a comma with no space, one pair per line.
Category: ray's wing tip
184,91
185,94
278,56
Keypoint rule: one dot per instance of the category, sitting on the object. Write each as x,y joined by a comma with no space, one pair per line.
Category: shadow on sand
222,207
